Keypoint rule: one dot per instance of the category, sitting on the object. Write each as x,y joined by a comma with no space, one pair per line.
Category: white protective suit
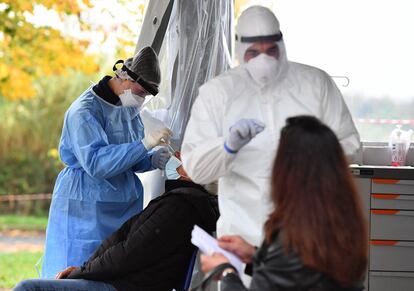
244,177
286,90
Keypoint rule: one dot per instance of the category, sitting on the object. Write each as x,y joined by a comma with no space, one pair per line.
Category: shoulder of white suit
228,81
298,68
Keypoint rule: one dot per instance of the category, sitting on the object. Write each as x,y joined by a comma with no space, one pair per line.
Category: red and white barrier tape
385,121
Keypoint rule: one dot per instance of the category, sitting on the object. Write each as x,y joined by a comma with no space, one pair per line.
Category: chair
189,274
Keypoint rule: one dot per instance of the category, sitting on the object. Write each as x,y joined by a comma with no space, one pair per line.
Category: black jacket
274,270
152,250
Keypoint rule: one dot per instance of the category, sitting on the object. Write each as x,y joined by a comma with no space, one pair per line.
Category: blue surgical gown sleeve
94,153
144,165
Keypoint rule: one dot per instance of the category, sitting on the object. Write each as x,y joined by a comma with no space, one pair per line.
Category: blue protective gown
98,190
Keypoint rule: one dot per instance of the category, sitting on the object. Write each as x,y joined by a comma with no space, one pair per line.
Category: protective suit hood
266,28
255,24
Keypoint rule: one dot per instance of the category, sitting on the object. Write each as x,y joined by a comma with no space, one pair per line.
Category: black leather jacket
273,270
151,251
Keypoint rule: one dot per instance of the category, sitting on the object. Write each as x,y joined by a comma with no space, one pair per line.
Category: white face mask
264,69
129,99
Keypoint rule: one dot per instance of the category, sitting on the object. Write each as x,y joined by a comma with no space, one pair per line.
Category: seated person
152,250
316,237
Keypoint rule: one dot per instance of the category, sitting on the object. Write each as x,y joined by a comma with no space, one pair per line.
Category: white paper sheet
209,245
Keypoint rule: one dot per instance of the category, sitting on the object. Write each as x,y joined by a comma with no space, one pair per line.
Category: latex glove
160,158
156,137
241,133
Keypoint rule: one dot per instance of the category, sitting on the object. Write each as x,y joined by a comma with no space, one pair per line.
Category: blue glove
160,158
241,133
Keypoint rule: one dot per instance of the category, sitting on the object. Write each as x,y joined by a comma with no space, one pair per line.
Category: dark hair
317,206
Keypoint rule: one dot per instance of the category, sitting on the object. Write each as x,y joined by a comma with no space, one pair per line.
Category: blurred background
50,52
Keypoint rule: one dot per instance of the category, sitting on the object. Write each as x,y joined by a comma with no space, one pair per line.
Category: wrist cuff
228,271
146,144
218,270
229,150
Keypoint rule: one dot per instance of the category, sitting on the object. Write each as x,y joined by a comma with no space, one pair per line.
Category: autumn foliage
28,53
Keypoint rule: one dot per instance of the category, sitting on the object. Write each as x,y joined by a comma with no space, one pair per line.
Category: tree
28,52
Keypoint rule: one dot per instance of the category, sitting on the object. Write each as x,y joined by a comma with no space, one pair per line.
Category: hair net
142,68
256,23
145,64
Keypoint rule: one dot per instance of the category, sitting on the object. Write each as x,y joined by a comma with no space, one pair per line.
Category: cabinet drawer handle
385,181
384,212
385,196
383,242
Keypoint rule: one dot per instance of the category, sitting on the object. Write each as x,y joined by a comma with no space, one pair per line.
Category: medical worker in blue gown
103,144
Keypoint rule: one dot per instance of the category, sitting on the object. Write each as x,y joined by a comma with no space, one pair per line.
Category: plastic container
399,144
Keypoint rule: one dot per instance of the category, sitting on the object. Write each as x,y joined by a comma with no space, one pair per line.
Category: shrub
30,132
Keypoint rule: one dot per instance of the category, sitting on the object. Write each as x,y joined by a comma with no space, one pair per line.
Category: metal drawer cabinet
391,281
388,195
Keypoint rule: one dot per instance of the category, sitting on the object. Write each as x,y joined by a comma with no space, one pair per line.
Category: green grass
15,267
10,222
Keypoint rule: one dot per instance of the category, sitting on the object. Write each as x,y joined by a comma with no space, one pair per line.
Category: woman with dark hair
316,238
